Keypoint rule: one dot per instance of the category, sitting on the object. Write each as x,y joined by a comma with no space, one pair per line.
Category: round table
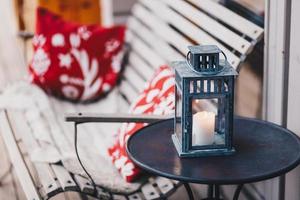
263,151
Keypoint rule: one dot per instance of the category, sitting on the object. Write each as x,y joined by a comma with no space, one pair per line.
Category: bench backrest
159,32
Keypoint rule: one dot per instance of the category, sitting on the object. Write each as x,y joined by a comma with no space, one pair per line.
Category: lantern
204,95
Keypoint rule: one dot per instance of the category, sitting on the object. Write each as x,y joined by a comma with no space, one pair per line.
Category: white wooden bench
159,32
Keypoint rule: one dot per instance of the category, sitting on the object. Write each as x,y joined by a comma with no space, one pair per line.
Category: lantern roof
204,49
185,71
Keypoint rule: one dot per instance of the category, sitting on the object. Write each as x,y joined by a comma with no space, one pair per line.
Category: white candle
203,128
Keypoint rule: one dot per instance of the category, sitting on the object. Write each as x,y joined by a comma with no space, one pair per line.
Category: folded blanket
45,117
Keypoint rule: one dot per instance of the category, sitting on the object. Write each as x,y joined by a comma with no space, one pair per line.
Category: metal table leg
237,192
213,192
217,192
210,193
189,191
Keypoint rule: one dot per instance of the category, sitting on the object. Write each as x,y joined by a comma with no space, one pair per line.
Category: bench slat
135,196
84,184
160,28
123,105
230,18
66,128
64,178
57,132
21,170
119,197
152,57
165,185
103,195
43,170
140,65
150,192
188,28
134,78
153,40
210,25
47,179
128,91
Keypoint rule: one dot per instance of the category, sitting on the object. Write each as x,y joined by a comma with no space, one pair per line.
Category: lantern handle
188,58
224,55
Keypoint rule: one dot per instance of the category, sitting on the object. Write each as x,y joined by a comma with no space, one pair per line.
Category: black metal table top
263,150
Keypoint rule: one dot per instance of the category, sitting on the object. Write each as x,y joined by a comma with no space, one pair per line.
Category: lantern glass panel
208,122
178,113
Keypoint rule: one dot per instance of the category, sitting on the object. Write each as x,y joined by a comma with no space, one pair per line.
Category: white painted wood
153,40
140,65
19,124
135,196
293,178
84,184
134,78
127,90
150,192
64,178
274,70
274,60
119,197
67,128
161,28
47,179
43,170
164,184
294,71
122,104
7,11
12,59
188,28
57,133
152,57
22,172
102,194
230,18
210,25
106,12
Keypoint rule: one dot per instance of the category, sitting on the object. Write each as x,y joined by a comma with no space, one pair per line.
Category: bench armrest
115,118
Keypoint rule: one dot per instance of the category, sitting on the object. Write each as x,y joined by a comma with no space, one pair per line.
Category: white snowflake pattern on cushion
158,98
83,32
127,169
38,40
66,79
40,62
70,91
152,94
89,68
74,40
65,60
58,40
68,59
166,106
111,45
120,162
116,62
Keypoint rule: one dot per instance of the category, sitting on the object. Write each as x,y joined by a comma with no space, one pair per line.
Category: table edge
191,180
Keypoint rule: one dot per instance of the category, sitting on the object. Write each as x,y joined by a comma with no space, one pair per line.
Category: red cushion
157,98
73,61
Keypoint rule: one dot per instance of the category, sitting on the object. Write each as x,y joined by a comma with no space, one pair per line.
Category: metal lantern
204,103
